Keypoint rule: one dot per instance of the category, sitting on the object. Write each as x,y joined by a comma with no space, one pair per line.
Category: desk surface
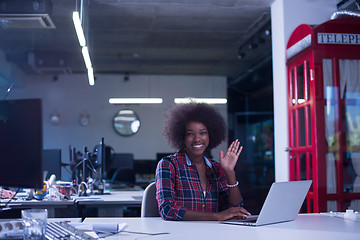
33,203
115,197
306,226
116,200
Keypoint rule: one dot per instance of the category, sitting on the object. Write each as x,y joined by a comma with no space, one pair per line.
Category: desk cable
103,234
84,161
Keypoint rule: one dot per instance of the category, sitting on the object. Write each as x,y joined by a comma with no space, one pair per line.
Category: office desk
111,204
49,205
108,204
306,226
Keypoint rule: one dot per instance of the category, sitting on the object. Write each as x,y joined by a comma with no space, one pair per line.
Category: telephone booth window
349,70
303,164
301,113
331,96
307,80
300,85
332,206
310,169
308,109
294,129
295,165
293,87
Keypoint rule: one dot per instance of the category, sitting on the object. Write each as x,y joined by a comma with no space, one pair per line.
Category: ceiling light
201,100
78,29
85,53
135,100
91,76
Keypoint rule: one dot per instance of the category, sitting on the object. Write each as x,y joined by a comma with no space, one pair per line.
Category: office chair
149,206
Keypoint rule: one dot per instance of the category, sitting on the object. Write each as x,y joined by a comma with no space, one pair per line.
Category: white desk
305,227
111,204
115,197
108,204
49,205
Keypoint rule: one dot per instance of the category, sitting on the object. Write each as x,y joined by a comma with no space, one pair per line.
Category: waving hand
229,160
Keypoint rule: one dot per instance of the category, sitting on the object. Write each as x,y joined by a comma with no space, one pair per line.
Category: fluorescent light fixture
78,29
201,100
135,100
85,53
91,76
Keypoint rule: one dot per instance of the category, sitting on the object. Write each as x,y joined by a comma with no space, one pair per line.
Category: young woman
189,185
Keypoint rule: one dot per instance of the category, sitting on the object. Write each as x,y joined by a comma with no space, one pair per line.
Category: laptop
282,204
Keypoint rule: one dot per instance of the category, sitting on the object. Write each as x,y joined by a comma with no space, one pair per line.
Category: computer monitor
21,143
118,161
122,160
52,163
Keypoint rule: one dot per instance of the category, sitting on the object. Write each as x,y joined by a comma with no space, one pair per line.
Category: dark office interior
123,41
85,89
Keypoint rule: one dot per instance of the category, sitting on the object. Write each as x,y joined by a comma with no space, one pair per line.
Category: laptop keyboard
250,219
64,231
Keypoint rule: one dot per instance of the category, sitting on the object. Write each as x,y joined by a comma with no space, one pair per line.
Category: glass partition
349,70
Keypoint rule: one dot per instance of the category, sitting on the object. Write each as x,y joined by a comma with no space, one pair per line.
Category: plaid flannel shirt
178,187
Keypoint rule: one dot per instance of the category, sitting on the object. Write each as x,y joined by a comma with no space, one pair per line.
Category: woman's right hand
232,212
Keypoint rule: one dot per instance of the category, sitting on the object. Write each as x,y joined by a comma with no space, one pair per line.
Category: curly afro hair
180,115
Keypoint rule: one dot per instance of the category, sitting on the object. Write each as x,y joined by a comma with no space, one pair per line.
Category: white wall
71,95
286,16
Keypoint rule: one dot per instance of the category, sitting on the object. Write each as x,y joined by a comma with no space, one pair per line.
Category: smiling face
196,139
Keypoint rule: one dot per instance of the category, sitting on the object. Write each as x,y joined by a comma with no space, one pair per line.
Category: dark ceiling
183,37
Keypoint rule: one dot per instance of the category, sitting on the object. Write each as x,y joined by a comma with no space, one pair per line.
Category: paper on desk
100,227
108,227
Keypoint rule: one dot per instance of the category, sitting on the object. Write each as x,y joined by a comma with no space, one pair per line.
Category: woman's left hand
229,160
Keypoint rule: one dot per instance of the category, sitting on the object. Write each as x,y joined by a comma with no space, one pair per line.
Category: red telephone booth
323,72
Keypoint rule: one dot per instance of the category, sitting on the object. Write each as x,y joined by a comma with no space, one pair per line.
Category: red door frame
308,149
